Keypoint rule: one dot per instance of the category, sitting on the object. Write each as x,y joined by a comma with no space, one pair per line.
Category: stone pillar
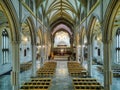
46,51
45,54
82,53
33,60
107,66
42,56
15,66
52,45
77,53
89,59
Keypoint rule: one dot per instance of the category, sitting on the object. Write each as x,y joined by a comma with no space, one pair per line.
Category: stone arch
111,25
108,20
95,39
12,19
91,26
107,40
32,29
28,40
14,26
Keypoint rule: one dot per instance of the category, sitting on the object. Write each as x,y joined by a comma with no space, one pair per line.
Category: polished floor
99,76
61,80
5,83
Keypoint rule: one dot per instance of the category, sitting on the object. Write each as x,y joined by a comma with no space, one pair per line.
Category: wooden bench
86,84
36,84
76,70
34,87
84,79
88,87
47,70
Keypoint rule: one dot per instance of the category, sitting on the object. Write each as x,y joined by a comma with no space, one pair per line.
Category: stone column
15,66
77,53
46,51
33,60
42,56
89,59
107,66
52,45
43,53
82,53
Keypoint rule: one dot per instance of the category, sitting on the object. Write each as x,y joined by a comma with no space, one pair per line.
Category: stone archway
110,27
95,39
13,25
27,49
113,34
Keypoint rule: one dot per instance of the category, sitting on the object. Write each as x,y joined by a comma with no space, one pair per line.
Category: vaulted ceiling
55,12
68,10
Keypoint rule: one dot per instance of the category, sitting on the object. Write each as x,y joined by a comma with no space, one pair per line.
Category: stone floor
5,83
99,76
61,80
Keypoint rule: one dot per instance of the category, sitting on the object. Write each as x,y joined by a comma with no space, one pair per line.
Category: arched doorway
61,41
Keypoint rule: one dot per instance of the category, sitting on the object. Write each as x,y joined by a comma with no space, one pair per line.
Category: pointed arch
109,20
12,19
92,22
32,29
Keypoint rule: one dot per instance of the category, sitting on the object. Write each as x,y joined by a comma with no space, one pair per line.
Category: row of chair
36,84
47,70
76,70
86,84
116,73
115,70
25,66
39,83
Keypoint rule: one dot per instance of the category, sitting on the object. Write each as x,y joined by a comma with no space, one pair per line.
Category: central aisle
61,80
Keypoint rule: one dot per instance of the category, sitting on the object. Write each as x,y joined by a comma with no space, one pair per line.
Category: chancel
59,44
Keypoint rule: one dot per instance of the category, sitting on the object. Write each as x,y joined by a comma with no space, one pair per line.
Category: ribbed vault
60,9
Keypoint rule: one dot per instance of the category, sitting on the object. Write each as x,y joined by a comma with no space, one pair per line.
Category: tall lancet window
5,46
118,45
